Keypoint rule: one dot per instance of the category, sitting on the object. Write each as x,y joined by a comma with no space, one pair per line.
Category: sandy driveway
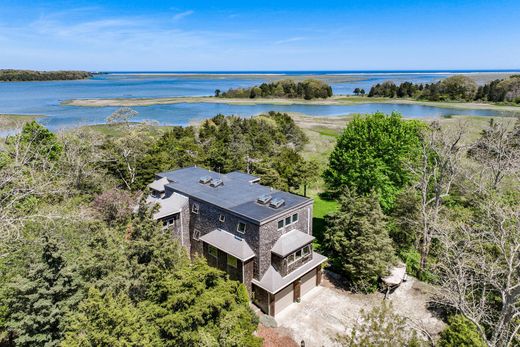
327,310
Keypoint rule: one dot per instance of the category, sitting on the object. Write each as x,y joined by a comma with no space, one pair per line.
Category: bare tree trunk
437,169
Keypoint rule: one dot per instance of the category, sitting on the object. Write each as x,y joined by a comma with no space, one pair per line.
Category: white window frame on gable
168,222
222,218
238,227
287,221
213,251
234,261
196,235
195,208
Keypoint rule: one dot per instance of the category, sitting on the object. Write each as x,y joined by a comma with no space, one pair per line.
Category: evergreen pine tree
40,300
357,241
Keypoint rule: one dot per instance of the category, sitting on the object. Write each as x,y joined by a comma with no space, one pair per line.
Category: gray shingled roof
229,243
159,184
290,242
273,282
168,206
237,194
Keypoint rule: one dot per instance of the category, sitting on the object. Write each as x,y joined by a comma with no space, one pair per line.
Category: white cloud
182,15
289,40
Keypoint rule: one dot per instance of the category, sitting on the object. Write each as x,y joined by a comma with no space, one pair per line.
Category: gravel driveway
328,310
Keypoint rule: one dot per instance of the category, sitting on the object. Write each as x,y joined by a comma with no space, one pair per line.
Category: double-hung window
231,261
212,251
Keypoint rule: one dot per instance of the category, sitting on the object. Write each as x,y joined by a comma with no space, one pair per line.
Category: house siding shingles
207,220
269,234
248,274
284,268
260,237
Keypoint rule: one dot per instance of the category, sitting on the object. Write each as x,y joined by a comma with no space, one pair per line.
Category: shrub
460,333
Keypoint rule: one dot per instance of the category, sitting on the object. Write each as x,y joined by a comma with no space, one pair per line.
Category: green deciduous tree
373,154
357,241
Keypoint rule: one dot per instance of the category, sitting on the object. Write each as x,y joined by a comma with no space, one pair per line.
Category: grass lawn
322,208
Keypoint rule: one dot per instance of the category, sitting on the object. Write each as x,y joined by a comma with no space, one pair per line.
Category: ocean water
44,98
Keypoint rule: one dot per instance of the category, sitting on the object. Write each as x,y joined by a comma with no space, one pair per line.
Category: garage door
308,282
283,299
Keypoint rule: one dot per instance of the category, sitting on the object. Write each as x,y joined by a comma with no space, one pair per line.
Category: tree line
80,266
9,75
444,203
288,88
454,88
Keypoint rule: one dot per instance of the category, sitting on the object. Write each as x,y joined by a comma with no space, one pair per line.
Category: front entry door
297,290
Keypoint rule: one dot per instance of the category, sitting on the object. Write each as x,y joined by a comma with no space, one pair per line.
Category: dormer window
241,227
299,254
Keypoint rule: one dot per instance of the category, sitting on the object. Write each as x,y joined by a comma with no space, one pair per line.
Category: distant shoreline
12,121
335,100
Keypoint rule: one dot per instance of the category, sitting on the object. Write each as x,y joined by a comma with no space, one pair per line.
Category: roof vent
264,199
204,179
216,182
276,202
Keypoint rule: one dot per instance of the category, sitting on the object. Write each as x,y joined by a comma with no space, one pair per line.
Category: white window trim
236,261
196,235
302,256
168,222
238,227
289,262
195,208
222,218
290,223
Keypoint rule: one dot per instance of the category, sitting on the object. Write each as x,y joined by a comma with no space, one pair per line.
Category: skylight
205,179
277,202
264,199
216,182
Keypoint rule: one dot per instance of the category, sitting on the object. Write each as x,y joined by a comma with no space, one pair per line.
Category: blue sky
260,35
